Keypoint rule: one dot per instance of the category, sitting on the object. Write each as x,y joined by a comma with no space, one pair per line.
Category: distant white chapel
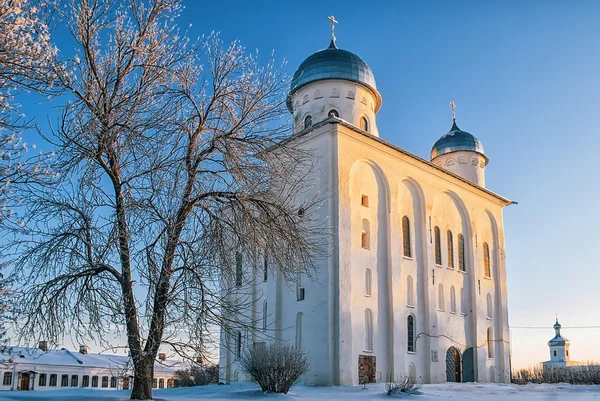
559,350
415,282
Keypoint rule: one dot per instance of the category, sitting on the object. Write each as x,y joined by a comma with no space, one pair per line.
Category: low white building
25,368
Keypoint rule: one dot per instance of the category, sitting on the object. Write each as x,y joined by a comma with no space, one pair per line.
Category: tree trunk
142,380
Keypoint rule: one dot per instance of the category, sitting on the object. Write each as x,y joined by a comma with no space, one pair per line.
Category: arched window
305,99
438,246
264,316
365,240
307,122
364,124
489,306
452,299
487,271
368,330
450,241
406,236
463,302
410,333
333,113
490,342
410,300
318,94
441,301
299,330
461,252
335,93
368,281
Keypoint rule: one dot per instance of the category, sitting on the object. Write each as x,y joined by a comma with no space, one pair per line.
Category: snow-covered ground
246,391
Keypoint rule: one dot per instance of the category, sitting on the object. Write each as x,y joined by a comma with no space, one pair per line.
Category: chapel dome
334,63
558,339
456,140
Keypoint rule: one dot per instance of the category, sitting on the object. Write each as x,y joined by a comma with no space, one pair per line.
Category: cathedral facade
415,281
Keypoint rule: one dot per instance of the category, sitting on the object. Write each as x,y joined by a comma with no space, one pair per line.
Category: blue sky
525,78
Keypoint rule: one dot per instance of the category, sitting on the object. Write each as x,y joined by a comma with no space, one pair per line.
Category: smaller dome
456,140
557,340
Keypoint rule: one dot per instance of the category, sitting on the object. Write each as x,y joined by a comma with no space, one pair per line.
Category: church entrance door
452,365
468,366
24,381
366,369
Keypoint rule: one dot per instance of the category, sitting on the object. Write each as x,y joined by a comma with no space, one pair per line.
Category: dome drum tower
461,153
334,82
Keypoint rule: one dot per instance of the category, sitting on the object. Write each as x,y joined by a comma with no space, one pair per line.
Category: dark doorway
24,381
125,383
468,366
366,369
452,365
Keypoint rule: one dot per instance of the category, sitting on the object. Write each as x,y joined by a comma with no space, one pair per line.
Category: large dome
334,63
456,140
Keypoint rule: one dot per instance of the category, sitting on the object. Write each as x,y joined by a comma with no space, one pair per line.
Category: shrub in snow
401,384
275,367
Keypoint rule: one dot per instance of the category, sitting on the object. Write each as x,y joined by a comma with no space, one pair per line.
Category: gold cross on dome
333,22
453,107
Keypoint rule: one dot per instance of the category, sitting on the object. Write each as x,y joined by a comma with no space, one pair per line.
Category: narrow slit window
406,236
364,201
461,253
487,271
238,270
410,332
450,250
368,281
438,246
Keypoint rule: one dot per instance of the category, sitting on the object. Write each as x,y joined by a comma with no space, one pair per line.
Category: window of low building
104,381
94,381
113,382
74,381
42,380
64,381
7,380
53,380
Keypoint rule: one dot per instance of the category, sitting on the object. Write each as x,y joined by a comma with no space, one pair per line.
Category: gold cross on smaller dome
453,107
333,22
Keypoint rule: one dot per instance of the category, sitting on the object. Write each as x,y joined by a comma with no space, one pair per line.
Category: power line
548,328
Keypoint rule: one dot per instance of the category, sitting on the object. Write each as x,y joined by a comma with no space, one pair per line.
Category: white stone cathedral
415,283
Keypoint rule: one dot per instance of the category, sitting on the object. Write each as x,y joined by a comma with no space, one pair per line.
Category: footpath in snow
248,391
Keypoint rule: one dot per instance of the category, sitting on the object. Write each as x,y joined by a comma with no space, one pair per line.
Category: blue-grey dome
558,339
334,63
456,140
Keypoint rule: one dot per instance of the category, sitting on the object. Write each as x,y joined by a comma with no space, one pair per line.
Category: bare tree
172,158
